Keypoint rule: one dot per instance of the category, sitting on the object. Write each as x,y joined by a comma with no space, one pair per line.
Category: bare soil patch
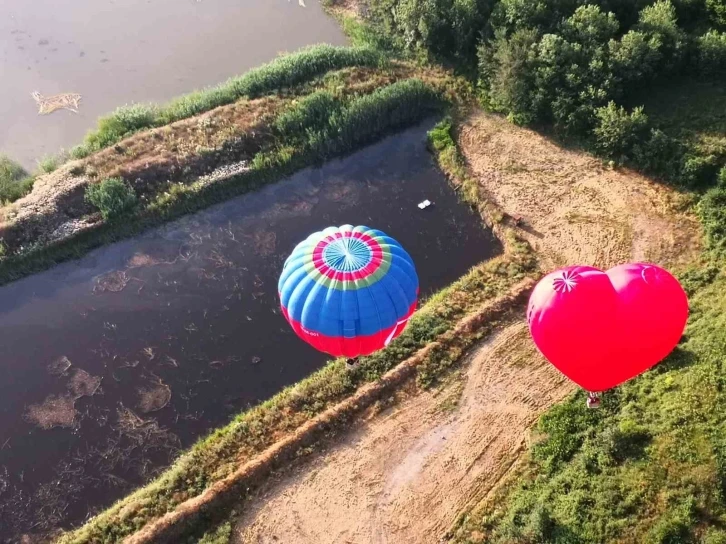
574,209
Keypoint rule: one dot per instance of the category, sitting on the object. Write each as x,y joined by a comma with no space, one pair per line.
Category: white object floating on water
301,2
423,205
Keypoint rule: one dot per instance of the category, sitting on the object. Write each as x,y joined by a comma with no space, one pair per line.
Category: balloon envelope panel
348,290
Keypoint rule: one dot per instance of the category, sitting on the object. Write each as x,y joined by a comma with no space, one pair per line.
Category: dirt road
405,474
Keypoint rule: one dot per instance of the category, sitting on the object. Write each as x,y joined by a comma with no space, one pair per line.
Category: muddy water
116,52
183,328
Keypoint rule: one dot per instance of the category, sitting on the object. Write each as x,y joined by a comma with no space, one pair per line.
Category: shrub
48,163
659,154
625,441
564,426
712,212
698,170
712,53
714,536
112,197
14,180
618,131
311,113
674,527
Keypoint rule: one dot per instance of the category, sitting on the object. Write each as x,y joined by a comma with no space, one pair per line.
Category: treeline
573,65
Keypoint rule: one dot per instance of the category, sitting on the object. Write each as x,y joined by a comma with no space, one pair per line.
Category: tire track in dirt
404,475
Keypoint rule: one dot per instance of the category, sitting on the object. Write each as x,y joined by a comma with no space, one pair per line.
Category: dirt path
405,474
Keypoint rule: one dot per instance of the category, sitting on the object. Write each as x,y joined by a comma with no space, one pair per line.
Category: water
115,52
191,308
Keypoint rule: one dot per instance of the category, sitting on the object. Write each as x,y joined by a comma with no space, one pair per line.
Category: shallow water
190,309
115,52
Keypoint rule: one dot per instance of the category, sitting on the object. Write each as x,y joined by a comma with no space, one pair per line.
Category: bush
674,527
14,180
311,113
112,197
712,212
565,426
618,131
698,170
50,163
625,441
659,154
712,53
714,536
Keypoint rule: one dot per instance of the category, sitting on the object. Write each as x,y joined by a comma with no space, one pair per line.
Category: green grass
14,180
283,72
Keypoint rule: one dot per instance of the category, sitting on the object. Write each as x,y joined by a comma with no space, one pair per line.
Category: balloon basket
351,363
593,400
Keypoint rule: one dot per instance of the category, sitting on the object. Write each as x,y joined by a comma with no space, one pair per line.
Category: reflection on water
118,52
111,363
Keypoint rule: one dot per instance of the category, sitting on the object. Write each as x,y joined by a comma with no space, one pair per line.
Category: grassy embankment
315,104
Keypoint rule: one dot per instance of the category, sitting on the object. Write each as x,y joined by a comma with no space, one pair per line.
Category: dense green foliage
326,125
14,180
283,72
576,65
112,197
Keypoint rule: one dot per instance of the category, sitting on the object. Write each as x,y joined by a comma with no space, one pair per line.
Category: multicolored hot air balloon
601,329
348,291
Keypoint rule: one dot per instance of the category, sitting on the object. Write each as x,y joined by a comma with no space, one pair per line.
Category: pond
112,363
115,52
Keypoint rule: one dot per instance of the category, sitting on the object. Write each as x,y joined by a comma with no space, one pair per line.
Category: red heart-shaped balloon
603,328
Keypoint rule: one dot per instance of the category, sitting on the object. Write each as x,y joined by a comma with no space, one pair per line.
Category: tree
618,131
636,56
506,69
